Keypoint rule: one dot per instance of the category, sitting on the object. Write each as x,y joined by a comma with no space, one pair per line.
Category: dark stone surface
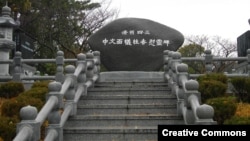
243,43
134,44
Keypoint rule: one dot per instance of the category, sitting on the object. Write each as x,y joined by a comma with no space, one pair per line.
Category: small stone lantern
7,24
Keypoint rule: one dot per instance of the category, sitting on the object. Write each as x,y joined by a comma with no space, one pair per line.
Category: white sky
225,18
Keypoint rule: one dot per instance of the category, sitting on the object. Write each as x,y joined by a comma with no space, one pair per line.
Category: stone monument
134,44
243,43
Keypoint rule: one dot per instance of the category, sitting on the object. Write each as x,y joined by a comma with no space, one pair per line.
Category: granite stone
243,44
134,44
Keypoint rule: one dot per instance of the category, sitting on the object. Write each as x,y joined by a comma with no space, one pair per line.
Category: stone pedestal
5,47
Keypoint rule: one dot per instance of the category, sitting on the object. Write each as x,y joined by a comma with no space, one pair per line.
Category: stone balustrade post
165,65
54,90
28,115
70,93
170,73
69,72
176,59
208,61
81,59
54,117
191,88
97,59
182,77
59,66
56,129
182,74
90,67
17,65
196,113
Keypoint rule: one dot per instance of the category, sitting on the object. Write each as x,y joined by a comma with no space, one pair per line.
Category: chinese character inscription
131,38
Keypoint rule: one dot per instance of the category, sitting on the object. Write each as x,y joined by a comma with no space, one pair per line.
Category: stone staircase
123,111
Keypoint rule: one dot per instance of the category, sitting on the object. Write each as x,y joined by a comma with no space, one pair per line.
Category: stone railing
18,67
185,87
18,64
208,60
64,94
186,90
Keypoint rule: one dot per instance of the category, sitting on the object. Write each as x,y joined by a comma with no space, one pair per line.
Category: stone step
127,99
156,93
145,88
131,76
131,84
120,110
111,133
126,109
124,120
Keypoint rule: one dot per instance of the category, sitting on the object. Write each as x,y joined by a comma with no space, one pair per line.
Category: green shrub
239,84
11,108
7,128
11,89
236,120
41,84
241,88
213,76
47,68
211,89
36,92
224,108
246,97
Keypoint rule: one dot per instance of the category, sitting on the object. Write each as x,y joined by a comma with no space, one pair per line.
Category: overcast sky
225,18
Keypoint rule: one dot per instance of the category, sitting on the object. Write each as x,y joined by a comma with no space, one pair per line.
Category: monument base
131,76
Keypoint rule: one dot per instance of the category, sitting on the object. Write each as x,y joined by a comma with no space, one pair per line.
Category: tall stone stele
7,24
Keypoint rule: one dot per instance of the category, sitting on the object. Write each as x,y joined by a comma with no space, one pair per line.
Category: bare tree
224,47
201,40
95,19
220,48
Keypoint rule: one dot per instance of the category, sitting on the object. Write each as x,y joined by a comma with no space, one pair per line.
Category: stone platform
131,76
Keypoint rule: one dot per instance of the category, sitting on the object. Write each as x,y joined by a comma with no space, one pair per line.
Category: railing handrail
75,84
186,90
214,58
208,60
34,61
185,86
